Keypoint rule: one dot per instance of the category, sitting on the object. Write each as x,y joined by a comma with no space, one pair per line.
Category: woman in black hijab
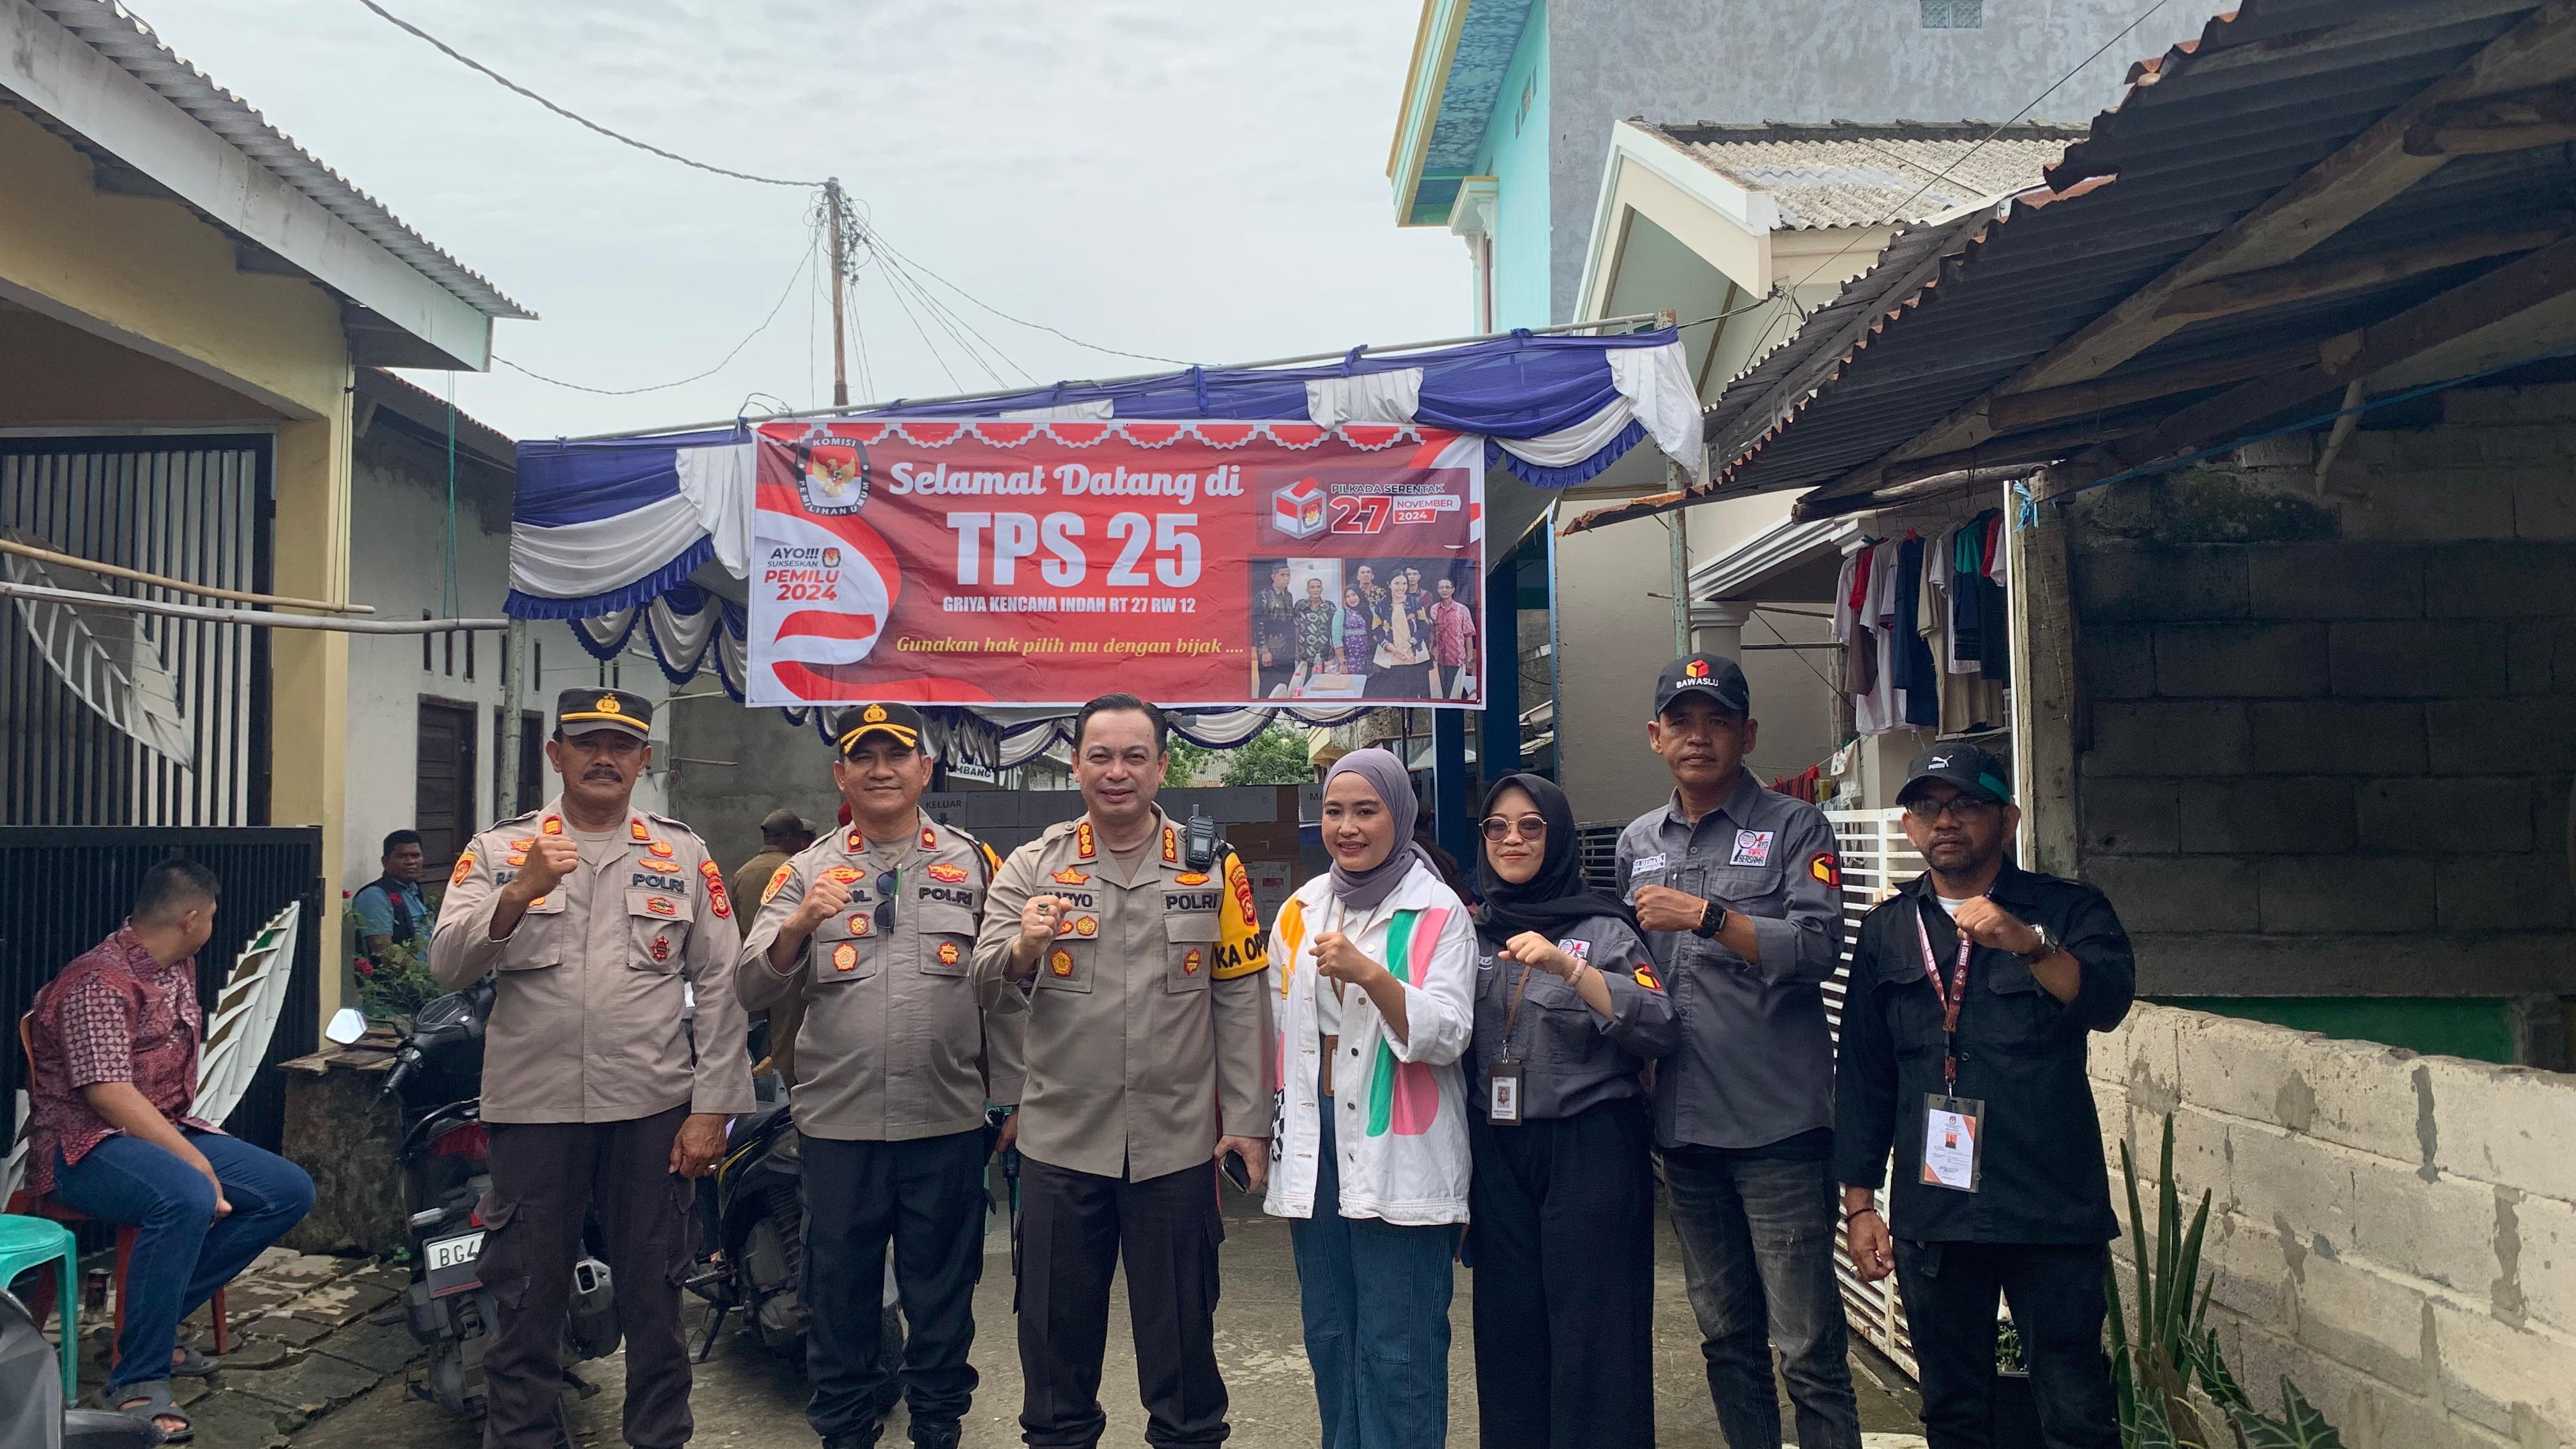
1561,1207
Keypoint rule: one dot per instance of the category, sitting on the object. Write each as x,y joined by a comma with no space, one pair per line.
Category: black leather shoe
935,1436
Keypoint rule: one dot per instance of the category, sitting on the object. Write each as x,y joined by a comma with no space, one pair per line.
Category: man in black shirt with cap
1963,1047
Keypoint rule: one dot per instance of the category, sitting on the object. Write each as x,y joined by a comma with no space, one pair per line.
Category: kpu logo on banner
832,473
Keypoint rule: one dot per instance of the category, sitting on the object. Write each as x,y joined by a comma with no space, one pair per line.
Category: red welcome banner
1198,564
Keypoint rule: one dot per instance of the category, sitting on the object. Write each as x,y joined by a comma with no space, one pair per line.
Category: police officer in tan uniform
1148,1043
874,928
593,914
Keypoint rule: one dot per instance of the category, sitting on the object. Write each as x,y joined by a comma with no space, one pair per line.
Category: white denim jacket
1402,1124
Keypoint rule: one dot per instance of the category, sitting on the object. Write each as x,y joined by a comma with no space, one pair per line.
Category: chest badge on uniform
663,866
1171,846
1083,843
661,848
1191,877
777,883
930,840
1070,876
1190,962
1576,947
1061,963
553,825
839,874
1086,926
516,857
949,955
464,868
635,830
946,872
717,900
661,948
863,924
845,957
523,844
1752,847
662,906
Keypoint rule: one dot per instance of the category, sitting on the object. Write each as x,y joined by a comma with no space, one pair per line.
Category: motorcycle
752,1230
437,1079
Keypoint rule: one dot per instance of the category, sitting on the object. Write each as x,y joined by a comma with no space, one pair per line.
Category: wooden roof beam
2519,121
2005,415
2346,186
2280,286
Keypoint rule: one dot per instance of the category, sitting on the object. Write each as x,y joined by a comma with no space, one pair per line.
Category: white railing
1877,859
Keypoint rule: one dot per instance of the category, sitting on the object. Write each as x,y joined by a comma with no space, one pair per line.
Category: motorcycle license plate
450,1262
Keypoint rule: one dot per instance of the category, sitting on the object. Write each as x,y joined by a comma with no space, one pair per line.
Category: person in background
1740,893
1316,646
1274,632
1402,630
1371,964
1974,991
1352,628
874,928
783,833
391,910
113,1075
1147,1061
1569,1013
1372,593
1453,640
601,1092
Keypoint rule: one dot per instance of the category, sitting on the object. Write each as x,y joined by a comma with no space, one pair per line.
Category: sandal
194,1364
148,1403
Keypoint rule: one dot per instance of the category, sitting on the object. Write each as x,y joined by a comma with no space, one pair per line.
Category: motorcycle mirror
347,1026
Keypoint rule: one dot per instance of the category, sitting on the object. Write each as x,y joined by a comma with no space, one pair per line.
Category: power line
774,309
1896,214
471,63
876,241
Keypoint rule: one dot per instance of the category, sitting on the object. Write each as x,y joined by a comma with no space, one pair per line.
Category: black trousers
2055,1291
546,1177
1562,1238
927,1195
1074,1229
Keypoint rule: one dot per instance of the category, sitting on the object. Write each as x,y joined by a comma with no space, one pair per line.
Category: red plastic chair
41,1302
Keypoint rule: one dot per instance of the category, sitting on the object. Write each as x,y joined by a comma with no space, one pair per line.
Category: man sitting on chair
113,1052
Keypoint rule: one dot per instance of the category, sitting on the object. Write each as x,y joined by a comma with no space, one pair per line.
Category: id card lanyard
1503,1092
1953,1126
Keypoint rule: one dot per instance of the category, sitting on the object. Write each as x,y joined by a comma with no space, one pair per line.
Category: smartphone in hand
1235,1172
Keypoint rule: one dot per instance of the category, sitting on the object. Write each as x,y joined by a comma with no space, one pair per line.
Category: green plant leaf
2299,1427
2151,1430
2216,1380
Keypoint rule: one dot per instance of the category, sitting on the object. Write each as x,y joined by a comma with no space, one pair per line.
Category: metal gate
200,508
63,889
1876,860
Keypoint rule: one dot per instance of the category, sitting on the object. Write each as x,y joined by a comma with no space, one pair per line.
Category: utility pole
840,268
1677,527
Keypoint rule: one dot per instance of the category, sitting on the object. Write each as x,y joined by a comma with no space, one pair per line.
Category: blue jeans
1380,1355
1757,1238
182,1251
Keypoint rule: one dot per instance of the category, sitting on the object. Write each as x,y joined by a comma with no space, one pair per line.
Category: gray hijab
1362,890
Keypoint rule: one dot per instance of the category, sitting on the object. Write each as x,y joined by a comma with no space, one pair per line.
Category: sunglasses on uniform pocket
888,892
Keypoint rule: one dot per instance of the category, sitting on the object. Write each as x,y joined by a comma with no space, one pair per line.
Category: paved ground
748,1399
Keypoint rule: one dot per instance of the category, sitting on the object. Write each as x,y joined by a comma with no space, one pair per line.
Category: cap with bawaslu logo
579,711
1712,675
898,722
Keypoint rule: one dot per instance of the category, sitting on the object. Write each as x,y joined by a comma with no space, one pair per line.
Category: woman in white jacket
1374,963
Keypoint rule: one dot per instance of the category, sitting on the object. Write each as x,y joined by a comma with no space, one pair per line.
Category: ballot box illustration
1298,509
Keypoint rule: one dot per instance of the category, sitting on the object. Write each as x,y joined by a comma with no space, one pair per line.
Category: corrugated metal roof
1850,173
2208,132
122,37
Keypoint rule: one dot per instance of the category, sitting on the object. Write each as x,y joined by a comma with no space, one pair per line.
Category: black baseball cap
899,722
1976,773
1714,675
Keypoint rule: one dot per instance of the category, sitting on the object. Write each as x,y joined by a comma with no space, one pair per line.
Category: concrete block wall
2396,1233
2327,742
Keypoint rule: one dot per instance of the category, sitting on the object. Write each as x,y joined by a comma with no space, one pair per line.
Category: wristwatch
1712,919
2047,947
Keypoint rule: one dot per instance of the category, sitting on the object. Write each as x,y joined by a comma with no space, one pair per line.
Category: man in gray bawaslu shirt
1741,895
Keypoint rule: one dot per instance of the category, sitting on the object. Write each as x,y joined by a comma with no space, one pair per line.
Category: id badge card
1954,1141
1503,1094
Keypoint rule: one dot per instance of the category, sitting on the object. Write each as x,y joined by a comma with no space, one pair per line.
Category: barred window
1954,14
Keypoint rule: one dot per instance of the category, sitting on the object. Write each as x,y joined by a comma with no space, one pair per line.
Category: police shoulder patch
777,883
464,868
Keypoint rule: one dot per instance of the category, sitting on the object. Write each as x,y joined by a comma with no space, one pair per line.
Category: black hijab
1554,900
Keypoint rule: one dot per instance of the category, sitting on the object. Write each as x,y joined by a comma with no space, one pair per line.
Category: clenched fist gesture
1991,926
1039,920
550,859
823,900
1339,960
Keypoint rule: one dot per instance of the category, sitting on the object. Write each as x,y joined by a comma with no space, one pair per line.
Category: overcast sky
1201,181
